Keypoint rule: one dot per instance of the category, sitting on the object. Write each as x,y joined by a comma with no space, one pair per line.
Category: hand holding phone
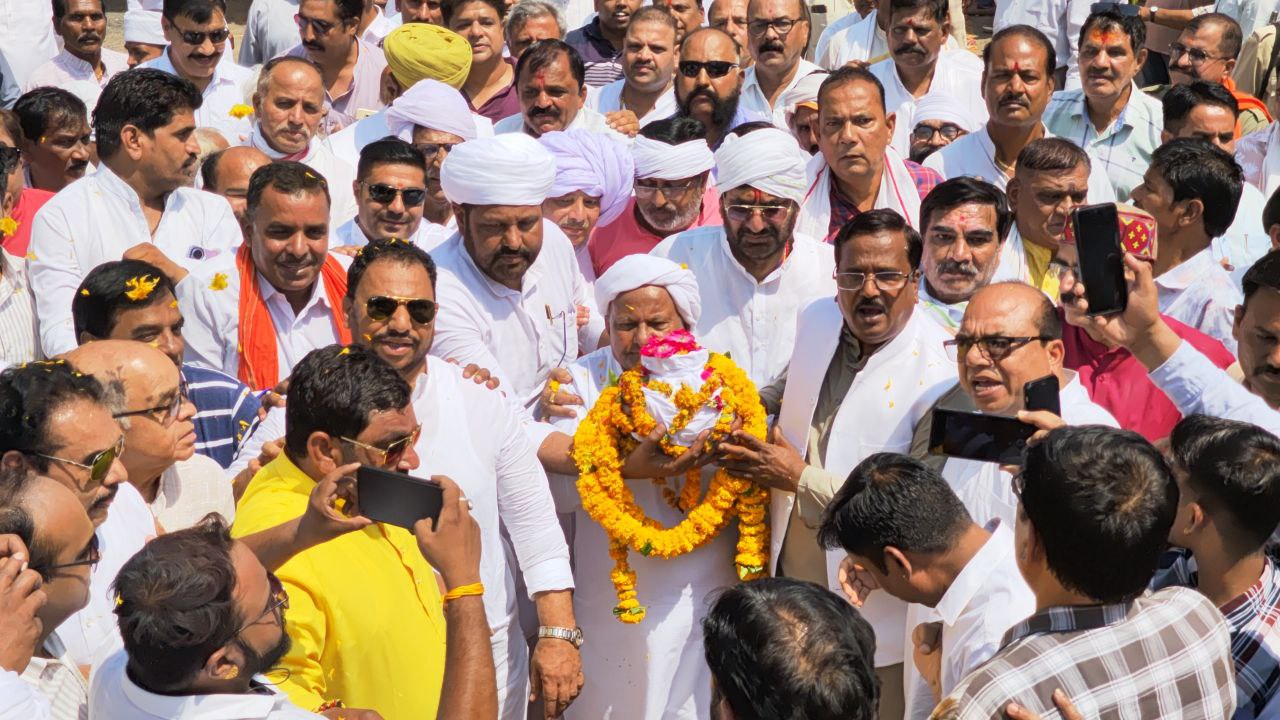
977,436
451,542
397,498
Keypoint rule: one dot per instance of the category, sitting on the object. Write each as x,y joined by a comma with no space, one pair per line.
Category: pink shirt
24,211
625,236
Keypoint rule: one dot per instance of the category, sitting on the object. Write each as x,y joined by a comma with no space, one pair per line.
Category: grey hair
525,10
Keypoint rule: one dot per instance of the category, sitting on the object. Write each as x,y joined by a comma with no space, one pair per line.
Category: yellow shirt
365,612
1042,276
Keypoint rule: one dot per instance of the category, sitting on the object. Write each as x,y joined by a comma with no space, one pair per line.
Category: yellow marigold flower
85,292
240,111
8,226
140,288
219,282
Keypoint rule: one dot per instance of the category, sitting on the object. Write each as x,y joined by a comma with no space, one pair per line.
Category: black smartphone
1042,394
976,436
396,498
1097,233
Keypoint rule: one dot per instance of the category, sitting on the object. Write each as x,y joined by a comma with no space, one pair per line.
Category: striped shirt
1163,655
59,680
18,338
226,412
1124,148
603,60
1255,637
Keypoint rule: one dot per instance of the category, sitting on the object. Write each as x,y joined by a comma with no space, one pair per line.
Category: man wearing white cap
592,187
143,36
800,104
672,166
754,270
509,289
938,124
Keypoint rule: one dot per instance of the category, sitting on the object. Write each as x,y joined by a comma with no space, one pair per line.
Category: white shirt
848,36
1258,154
19,330
113,696
95,220
91,633
1246,241
754,100
1200,293
269,31
1195,385
975,154
68,71
754,322
59,680
27,39
428,236
189,490
958,74
20,701
231,85
212,313
586,119
608,98
339,175
517,335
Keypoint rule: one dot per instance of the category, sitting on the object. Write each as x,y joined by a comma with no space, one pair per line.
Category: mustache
772,46
550,112
89,37
313,46
909,50
1266,370
1011,99
507,253
874,304
304,260
959,268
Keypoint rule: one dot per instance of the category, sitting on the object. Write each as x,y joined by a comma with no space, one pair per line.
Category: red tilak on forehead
1017,66
910,22
1106,37
757,197
540,77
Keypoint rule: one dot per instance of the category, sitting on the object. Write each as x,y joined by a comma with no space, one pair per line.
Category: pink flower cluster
678,342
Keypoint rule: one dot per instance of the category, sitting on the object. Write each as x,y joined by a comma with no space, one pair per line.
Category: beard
722,110
260,664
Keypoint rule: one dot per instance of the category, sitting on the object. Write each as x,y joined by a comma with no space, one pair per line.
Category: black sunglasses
385,194
381,307
431,150
714,68
195,38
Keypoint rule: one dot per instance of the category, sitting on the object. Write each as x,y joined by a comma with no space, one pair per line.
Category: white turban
431,104
767,159
507,169
659,161
594,163
805,92
637,271
143,26
943,107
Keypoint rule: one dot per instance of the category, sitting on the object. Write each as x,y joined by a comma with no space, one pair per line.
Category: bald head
227,173
1015,337
289,103
127,362
709,43
1028,307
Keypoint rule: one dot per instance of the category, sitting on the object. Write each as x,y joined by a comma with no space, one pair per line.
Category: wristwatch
573,636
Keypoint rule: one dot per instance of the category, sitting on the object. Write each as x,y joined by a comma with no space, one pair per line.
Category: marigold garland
606,435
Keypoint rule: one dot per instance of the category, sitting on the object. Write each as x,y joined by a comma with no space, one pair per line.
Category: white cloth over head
767,159
805,91
434,105
594,163
508,169
656,160
637,271
944,107
143,26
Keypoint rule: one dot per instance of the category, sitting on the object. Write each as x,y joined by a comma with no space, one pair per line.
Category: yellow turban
416,51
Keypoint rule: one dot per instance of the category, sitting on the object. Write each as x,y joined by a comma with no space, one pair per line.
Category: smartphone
396,498
1097,236
976,436
1042,394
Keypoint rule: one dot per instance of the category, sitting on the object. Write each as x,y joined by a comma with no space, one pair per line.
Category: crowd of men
426,237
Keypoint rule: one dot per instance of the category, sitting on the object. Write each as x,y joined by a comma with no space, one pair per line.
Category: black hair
1234,467
938,9
30,394
543,53
1271,212
349,9
143,97
873,222
388,151
1130,25
103,295
43,108
1265,273
1101,501
12,126
286,177
1232,35
675,130
655,13
892,500
784,649
964,190
848,74
15,519
1180,100
392,250
200,11
1053,155
1026,32
334,390
449,7
176,605
1197,170
60,8
209,170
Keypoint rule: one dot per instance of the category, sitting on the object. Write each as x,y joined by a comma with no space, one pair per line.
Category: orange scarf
1245,101
259,364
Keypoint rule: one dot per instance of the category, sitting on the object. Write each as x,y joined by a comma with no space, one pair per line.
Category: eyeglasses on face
650,189
380,308
431,150
771,213
319,27
1195,56
98,466
92,556
393,451
165,414
993,347
385,194
196,38
277,603
924,133
886,281
714,68
781,25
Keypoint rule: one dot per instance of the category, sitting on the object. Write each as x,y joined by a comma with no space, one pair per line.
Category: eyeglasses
771,213
887,281
380,308
993,347
196,38
666,190
782,26
431,150
319,27
277,603
1195,56
714,68
385,194
94,557
924,133
393,451
168,413
9,158
99,466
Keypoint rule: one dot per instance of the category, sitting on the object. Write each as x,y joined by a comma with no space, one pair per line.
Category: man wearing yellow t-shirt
365,613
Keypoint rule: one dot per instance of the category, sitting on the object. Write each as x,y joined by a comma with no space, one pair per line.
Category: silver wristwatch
573,636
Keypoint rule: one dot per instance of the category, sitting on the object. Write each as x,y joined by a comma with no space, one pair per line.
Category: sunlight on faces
1009,310
140,52
731,17
158,325
78,430
60,156
542,27
1016,84
395,219
436,201
385,427
290,111
330,47
1210,62
648,56
480,25
550,97
575,214
637,315
399,340
195,62
873,315
853,130
757,239
1213,124
669,206
151,380
83,27
1108,62
615,15
61,525
1257,330
961,251
688,15
169,156
502,240
423,11
235,167
290,239
916,38
773,51
1042,203
804,125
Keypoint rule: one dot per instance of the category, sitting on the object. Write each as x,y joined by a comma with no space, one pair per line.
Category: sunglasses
195,38
431,150
320,27
99,465
94,555
277,602
164,414
771,213
393,451
380,308
385,194
714,68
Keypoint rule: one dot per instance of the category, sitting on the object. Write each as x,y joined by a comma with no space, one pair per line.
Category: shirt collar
1191,271
318,296
73,64
1068,619
204,707
993,553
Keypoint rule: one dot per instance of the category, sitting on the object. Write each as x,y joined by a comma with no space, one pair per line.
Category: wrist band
330,705
462,591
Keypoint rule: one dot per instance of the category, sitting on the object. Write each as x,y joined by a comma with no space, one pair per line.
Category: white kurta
339,174
898,192
854,39
958,74
474,436
269,31
754,100
586,119
428,236
231,85
654,670
95,220
1246,241
1258,154
517,335
754,322
887,398
1201,293
27,39
608,98
71,73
